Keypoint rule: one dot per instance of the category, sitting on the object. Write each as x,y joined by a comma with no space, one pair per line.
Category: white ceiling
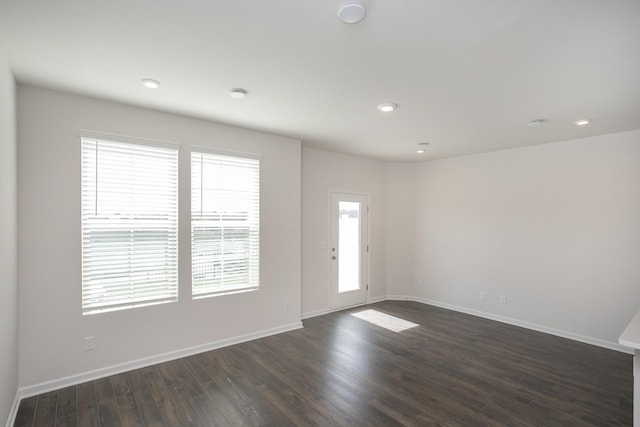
467,74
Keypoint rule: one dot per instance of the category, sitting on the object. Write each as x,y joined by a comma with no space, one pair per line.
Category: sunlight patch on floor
386,321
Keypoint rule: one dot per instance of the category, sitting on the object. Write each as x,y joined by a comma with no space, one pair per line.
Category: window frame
168,290
253,269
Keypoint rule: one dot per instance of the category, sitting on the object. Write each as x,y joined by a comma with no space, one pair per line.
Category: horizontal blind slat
129,224
224,222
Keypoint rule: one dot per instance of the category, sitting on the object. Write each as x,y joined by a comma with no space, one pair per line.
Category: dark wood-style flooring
339,370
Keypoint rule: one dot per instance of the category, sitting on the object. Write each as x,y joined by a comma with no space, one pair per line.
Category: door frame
366,272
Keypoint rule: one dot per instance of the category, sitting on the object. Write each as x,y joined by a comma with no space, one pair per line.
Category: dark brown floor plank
88,415
127,407
26,412
277,390
453,369
46,410
242,385
67,413
223,379
222,406
183,396
172,413
108,410
144,399
199,401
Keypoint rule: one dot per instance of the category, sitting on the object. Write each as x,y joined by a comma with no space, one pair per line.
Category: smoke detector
536,123
351,13
238,93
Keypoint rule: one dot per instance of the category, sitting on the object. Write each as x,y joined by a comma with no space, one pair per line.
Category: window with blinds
225,222
129,224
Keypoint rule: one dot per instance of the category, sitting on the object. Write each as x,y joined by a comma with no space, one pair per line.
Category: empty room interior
323,213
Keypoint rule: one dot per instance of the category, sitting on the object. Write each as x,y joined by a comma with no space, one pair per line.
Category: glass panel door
348,246
349,249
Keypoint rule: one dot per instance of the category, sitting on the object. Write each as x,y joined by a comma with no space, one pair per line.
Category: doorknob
333,257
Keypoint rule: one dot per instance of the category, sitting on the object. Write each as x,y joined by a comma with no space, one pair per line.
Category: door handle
333,257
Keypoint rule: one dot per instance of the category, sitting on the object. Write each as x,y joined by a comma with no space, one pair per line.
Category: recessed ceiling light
420,151
238,93
536,122
582,122
150,83
387,107
351,13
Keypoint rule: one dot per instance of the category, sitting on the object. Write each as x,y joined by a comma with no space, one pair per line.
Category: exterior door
349,249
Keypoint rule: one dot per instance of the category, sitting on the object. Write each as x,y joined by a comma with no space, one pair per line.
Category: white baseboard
511,321
377,299
14,410
400,298
36,389
315,313
323,311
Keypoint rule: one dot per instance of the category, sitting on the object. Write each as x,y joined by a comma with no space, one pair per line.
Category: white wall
554,227
8,248
401,217
322,172
49,268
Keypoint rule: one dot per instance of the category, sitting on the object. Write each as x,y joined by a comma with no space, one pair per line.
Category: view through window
225,222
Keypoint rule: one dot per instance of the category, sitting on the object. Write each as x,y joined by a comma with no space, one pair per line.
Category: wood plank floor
452,369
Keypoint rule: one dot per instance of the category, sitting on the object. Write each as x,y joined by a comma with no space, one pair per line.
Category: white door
349,249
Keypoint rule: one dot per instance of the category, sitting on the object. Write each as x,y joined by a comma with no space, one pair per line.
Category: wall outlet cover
89,343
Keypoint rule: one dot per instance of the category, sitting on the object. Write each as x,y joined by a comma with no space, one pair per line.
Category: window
225,222
129,224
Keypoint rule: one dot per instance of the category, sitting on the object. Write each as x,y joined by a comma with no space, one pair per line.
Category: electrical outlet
483,296
503,299
89,343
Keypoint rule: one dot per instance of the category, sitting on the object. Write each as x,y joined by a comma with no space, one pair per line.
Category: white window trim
173,296
84,133
233,290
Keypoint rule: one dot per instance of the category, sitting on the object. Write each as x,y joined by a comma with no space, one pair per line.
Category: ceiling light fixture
536,123
387,107
582,122
238,93
421,146
351,13
150,83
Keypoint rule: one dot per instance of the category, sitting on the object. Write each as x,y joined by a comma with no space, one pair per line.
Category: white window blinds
129,224
225,222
